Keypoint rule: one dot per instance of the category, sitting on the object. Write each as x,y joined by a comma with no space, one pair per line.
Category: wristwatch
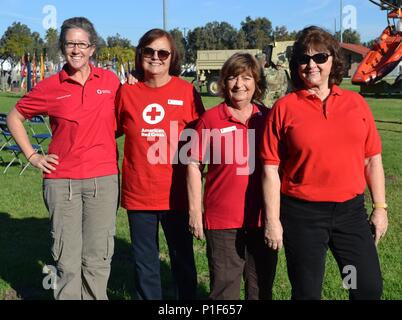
380,205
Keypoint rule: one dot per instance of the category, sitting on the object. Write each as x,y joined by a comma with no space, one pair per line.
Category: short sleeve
270,154
34,102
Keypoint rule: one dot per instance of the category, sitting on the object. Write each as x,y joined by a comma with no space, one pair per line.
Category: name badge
175,102
228,129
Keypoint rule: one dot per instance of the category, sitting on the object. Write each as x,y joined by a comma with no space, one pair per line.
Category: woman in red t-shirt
320,149
152,114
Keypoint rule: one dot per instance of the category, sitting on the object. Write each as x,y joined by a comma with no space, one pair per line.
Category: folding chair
40,137
13,148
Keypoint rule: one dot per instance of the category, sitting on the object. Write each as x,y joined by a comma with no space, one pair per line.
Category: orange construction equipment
387,50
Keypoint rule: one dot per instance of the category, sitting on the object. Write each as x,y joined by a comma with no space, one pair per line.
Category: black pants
144,231
311,227
234,253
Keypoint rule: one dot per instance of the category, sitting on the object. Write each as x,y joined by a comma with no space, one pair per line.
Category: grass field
24,236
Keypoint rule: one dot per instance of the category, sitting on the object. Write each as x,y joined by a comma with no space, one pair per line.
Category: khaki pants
82,215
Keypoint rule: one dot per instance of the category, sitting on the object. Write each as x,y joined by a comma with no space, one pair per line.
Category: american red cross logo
153,113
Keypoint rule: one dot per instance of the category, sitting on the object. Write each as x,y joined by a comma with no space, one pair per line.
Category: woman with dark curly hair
320,149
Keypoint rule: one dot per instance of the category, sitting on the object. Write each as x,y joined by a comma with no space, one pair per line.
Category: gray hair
77,23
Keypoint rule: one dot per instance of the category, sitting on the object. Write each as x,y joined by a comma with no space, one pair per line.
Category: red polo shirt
152,120
82,119
321,146
232,196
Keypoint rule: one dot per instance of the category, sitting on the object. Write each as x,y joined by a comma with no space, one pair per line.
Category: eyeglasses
148,52
319,58
80,45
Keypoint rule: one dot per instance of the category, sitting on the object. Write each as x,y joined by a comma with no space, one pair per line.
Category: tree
52,45
118,41
258,32
241,40
349,36
180,43
281,33
37,42
213,36
16,41
370,43
122,55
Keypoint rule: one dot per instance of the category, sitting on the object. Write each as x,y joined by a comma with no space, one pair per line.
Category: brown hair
237,64
316,38
77,23
149,37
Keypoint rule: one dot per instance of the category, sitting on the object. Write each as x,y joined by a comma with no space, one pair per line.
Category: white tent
5,65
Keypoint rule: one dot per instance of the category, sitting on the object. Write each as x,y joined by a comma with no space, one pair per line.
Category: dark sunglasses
148,52
319,58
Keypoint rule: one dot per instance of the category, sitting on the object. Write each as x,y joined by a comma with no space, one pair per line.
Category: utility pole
164,14
335,27
341,22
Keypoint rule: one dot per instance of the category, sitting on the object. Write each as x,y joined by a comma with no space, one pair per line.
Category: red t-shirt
232,196
82,119
152,120
321,147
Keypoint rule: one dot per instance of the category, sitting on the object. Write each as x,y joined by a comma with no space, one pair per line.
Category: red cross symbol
153,113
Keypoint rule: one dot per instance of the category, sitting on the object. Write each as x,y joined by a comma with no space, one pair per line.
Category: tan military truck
210,62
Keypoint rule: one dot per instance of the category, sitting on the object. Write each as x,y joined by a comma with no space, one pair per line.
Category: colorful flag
122,73
34,70
29,75
42,68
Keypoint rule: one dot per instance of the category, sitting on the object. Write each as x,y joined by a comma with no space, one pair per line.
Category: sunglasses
319,58
148,52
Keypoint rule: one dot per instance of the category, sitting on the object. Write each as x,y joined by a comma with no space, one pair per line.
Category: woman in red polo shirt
152,114
229,135
320,149
80,172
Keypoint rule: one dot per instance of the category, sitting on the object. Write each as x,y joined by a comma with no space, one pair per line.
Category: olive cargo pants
82,215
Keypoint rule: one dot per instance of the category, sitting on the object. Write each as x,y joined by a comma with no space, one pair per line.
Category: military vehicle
274,59
209,64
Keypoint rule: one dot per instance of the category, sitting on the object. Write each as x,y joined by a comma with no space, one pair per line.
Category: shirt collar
65,76
225,114
303,93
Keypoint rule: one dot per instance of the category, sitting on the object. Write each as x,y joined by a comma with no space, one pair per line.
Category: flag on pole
34,69
122,73
42,67
29,75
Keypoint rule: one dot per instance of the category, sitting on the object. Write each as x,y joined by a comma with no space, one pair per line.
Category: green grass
24,226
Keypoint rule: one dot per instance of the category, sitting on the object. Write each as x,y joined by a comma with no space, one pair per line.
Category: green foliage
123,55
258,32
118,41
281,33
17,40
349,36
52,44
180,43
213,36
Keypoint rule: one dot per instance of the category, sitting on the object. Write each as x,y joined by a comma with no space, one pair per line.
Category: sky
132,18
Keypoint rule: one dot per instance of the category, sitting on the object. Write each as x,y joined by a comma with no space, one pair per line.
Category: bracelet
380,205
35,152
